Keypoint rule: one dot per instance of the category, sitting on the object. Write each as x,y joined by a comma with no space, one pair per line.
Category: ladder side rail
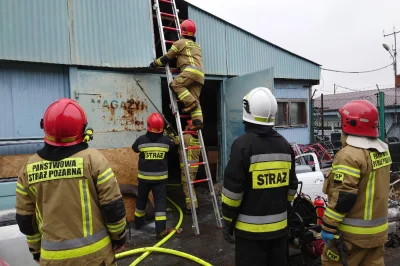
210,182
177,117
177,22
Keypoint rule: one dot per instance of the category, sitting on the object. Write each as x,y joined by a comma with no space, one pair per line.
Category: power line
356,72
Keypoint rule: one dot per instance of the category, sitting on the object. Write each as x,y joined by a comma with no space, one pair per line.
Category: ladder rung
193,148
170,42
170,28
185,116
166,1
199,181
190,131
199,163
167,14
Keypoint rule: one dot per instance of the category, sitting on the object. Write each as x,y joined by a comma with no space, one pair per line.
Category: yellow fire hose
157,248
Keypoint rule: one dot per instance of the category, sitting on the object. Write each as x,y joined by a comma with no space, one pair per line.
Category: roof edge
252,34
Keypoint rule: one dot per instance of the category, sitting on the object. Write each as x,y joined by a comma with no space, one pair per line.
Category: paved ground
209,246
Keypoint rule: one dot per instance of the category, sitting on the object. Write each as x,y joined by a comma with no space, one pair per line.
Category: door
233,92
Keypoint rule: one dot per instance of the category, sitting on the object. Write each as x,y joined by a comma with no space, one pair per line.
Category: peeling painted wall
116,107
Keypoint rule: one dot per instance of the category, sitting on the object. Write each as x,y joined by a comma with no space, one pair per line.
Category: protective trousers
188,91
160,203
192,156
356,257
272,252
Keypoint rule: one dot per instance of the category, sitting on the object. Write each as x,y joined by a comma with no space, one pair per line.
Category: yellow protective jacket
357,189
189,58
70,210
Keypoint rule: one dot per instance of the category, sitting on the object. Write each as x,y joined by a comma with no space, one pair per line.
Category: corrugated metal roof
336,101
25,92
111,33
34,31
234,51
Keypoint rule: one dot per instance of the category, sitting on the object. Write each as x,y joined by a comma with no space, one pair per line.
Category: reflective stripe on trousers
261,224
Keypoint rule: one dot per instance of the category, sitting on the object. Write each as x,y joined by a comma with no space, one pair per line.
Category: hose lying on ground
157,248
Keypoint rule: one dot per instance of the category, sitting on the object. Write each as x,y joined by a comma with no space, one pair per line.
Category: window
283,114
291,113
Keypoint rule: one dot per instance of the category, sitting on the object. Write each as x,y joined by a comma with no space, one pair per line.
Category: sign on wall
116,107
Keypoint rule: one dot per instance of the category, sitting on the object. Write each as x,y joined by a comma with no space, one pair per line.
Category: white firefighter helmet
260,107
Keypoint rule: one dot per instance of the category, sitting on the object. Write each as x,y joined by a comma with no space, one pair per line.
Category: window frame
289,102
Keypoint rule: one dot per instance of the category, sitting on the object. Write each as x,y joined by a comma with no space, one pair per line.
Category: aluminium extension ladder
174,107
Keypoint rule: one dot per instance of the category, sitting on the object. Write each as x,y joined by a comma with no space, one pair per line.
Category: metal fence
326,121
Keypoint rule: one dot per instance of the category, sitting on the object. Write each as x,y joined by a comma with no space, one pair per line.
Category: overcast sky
338,34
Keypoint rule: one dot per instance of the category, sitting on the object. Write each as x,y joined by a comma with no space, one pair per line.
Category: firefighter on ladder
193,156
357,189
153,148
187,85
259,186
68,201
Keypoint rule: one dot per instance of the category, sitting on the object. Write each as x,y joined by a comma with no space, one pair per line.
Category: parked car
311,175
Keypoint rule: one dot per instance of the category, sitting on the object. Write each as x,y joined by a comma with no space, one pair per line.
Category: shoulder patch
380,160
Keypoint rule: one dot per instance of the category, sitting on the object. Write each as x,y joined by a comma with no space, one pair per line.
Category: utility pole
394,56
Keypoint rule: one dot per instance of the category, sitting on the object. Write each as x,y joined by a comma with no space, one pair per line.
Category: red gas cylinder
319,203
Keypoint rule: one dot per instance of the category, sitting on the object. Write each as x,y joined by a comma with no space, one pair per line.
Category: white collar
367,143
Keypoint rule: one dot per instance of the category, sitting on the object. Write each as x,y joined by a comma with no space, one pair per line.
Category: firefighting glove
152,65
227,231
88,136
326,236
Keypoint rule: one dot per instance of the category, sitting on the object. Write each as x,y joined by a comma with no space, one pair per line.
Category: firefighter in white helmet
259,183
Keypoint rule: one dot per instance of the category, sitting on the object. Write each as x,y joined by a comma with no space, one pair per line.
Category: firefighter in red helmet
187,85
153,149
358,189
68,201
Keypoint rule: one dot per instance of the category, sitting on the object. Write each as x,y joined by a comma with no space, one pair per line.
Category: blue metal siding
291,89
25,92
111,33
236,52
211,31
34,31
300,135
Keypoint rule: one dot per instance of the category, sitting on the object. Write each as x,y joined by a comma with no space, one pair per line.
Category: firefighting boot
196,125
161,235
191,107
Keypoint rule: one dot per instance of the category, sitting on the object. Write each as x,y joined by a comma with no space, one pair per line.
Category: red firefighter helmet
64,123
360,118
155,123
188,28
